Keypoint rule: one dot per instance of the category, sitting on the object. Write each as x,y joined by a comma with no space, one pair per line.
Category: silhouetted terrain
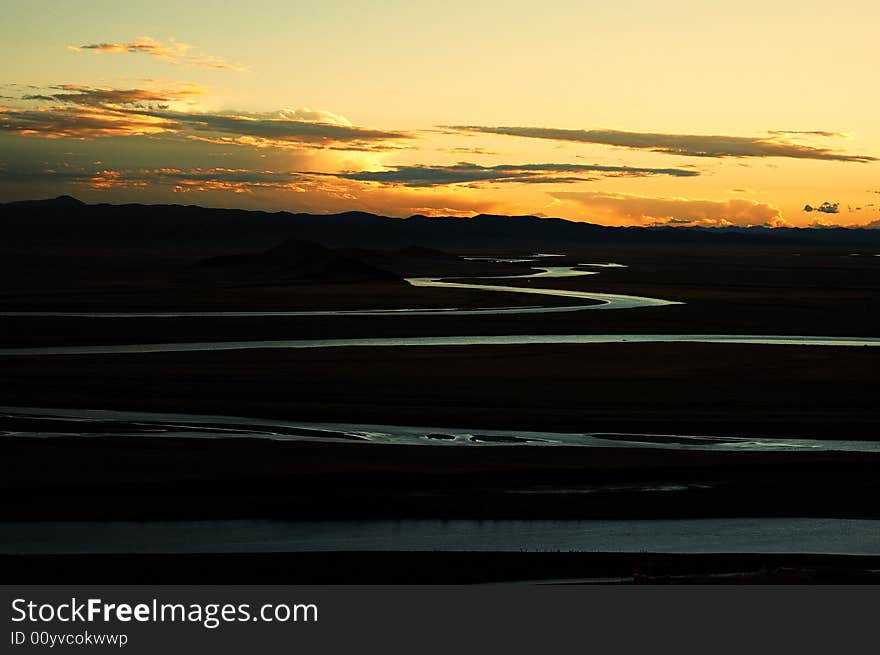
62,255
418,261
66,221
745,390
296,260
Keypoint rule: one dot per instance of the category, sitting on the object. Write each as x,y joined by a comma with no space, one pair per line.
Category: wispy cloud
237,180
84,112
96,177
691,145
171,51
468,151
268,129
647,210
80,122
80,94
467,173
822,133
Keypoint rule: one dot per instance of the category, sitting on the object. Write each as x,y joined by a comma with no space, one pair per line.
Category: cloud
312,116
823,224
468,151
825,208
81,122
84,112
646,210
96,177
171,51
822,133
691,145
467,173
237,180
262,129
80,94
245,187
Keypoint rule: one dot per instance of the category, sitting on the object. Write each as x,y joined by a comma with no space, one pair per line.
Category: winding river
39,422
689,536
469,340
598,301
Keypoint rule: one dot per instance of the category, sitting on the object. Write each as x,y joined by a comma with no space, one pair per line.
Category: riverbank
724,290
669,388
139,478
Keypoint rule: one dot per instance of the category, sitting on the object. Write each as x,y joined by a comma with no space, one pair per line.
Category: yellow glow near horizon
734,115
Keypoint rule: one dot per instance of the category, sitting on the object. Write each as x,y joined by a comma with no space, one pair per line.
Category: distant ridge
65,221
59,202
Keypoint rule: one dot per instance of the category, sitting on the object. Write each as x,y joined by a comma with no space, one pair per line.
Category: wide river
37,422
738,535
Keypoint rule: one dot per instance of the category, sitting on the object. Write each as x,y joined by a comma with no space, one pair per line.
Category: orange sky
630,114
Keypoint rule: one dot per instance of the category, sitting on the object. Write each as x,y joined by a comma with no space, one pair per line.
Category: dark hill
53,205
421,252
296,260
412,261
65,222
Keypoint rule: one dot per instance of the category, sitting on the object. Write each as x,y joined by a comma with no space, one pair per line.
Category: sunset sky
633,112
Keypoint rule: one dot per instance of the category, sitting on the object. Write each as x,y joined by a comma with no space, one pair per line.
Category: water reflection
468,340
598,301
43,422
738,535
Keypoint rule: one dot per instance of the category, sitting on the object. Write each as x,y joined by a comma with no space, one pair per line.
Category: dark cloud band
466,173
691,145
